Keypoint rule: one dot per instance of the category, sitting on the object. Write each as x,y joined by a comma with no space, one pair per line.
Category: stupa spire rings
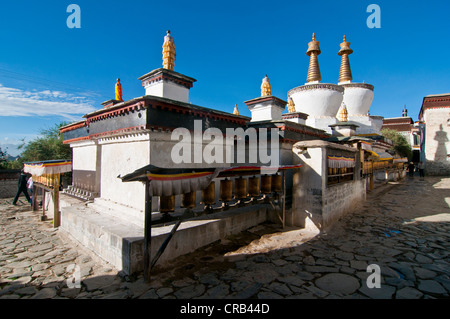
313,70
345,72
169,53
266,88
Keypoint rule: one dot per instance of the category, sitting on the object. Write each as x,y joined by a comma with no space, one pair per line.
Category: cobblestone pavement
403,228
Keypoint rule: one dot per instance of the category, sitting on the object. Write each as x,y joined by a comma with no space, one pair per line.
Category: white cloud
17,102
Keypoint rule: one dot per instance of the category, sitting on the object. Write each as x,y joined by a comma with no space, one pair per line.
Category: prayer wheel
240,185
253,186
226,190
276,183
266,184
167,204
188,200
209,194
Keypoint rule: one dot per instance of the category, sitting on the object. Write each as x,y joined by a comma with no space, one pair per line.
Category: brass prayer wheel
188,200
167,204
226,190
240,185
266,184
276,183
209,194
253,186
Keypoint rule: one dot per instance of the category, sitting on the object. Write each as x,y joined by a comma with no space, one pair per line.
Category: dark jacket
23,178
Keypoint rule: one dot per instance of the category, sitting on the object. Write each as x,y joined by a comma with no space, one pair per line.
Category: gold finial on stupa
266,88
291,106
342,115
313,52
236,110
345,73
119,91
169,52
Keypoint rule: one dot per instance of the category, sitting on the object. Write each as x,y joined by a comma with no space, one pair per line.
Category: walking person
422,170
22,188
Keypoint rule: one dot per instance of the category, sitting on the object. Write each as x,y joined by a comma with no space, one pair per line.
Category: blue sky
50,73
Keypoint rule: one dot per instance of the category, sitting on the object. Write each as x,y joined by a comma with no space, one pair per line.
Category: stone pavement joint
399,228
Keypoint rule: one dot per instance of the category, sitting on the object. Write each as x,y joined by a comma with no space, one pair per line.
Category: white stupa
321,101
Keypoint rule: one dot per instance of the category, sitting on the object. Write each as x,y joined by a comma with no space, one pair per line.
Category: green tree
48,146
401,145
3,159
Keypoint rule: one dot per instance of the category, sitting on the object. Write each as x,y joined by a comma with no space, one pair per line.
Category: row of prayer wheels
336,171
256,186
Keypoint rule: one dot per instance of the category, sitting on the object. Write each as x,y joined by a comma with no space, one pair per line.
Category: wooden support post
56,214
34,202
284,199
43,217
147,233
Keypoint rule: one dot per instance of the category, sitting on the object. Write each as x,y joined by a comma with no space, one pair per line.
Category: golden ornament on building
236,110
345,73
313,52
266,89
169,52
291,106
119,91
342,115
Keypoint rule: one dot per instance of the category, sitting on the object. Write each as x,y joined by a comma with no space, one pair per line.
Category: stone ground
404,228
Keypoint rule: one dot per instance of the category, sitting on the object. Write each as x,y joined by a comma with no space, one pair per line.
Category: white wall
121,156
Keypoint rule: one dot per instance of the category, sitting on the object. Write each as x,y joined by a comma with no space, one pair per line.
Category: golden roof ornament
236,110
313,52
169,52
266,88
291,106
345,73
118,90
342,115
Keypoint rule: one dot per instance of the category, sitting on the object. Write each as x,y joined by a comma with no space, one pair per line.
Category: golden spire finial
345,73
313,52
236,110
342,115
119,91
169,52
266,88
291,106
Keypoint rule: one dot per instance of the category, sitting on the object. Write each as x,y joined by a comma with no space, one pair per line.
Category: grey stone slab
423,273
163,291
385,292
268,295
317,291
321,269
45,293
249,291
30,290
279,288
190,292
94,283
338,283
431,286
292,280
218,292
408,293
